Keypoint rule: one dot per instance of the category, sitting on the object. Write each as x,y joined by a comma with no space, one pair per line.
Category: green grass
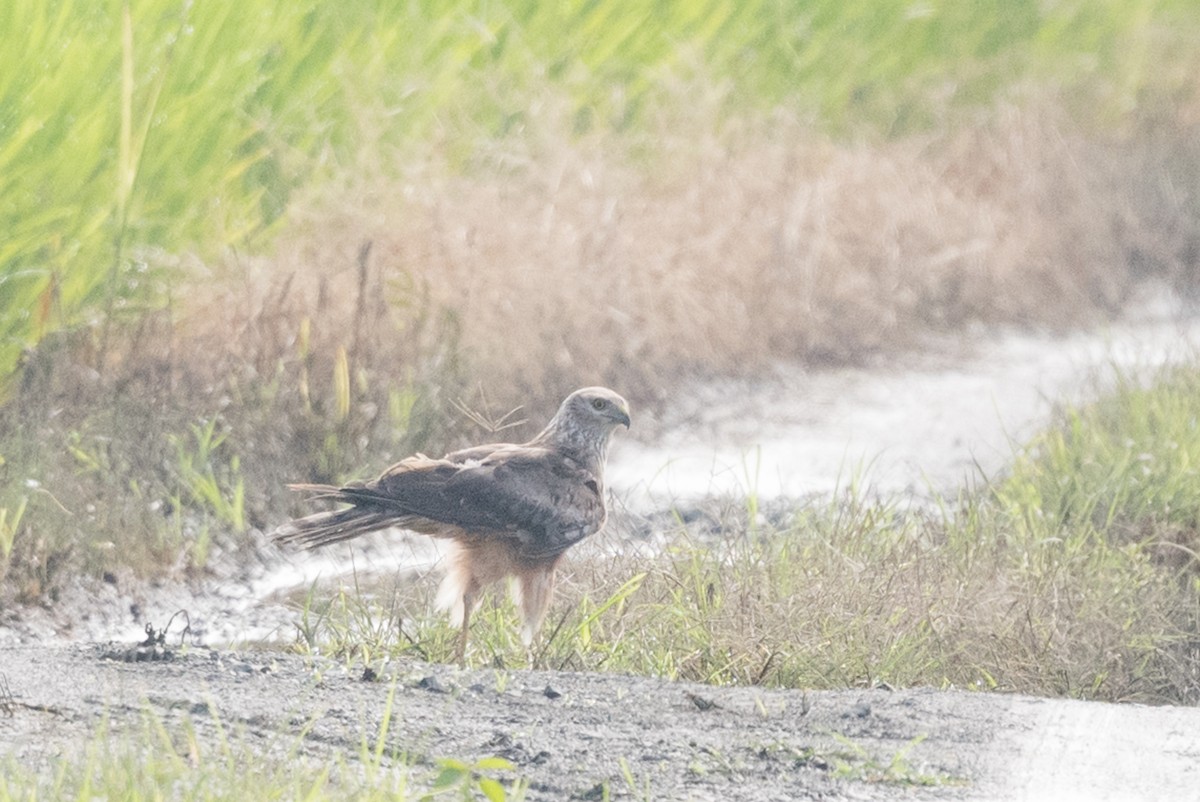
853,762
88,502
1077,574
204,758
132,134
1123,469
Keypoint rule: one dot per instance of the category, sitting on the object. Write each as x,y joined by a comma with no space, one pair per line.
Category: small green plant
586,616
351,625
208,478
196,759
373,757
200,756
10,523
464,780
859,765
639,789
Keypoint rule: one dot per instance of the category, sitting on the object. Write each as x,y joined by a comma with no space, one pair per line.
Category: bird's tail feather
325,528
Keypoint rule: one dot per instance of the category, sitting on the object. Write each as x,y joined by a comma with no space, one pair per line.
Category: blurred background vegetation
266,241
132,134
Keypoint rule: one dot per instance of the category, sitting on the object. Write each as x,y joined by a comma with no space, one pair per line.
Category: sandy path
1099,752
923,421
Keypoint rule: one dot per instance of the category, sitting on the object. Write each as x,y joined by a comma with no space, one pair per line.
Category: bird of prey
508,510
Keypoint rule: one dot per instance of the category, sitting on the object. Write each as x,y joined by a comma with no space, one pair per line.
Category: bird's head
599,407
586,419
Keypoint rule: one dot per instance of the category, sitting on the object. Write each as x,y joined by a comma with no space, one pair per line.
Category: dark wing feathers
548,501
540,498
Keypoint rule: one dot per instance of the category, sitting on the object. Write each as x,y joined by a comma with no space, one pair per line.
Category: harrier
508,510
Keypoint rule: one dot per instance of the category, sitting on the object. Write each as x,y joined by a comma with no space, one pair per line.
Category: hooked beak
622,417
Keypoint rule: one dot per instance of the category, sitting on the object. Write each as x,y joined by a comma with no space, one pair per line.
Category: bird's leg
536,587
530,657
468,603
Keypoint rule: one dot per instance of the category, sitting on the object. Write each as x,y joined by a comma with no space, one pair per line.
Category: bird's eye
598,403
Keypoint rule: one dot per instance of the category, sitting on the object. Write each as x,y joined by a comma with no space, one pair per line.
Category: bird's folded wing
540,498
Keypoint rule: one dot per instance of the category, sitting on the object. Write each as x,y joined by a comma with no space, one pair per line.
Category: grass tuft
200,757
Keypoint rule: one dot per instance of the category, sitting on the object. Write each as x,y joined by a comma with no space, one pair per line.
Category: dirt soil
568,734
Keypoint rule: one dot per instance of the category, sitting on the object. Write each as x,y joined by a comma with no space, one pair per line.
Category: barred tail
325,528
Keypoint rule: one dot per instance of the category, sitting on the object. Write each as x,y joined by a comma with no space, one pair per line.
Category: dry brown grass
585,265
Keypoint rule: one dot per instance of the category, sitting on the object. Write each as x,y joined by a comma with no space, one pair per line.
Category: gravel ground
568,734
